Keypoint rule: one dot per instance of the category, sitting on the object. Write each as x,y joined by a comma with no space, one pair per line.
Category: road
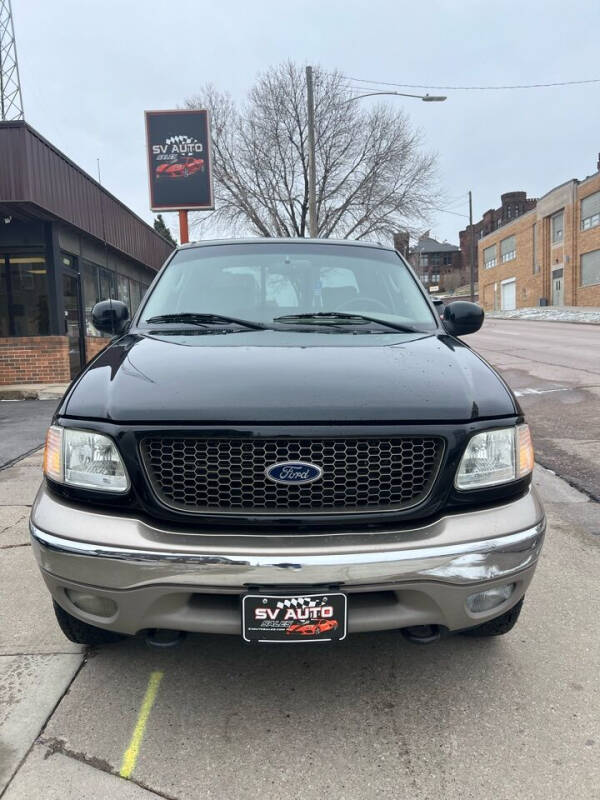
373,717
555,370
23,425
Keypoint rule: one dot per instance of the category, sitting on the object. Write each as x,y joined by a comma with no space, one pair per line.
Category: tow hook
163,638
422,634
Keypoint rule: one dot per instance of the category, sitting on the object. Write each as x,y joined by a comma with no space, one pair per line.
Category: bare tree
372,176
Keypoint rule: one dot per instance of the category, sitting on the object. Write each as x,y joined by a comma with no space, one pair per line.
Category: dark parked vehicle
287,431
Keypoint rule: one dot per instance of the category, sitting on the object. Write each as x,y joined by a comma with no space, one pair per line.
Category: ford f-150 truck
287,443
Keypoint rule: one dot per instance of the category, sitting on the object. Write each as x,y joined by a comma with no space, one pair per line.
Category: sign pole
184,235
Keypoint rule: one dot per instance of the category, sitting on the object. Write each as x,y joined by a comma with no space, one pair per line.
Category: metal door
73,321
509,295
557,287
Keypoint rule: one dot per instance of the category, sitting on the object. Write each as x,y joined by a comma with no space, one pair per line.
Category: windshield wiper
207,319
321,316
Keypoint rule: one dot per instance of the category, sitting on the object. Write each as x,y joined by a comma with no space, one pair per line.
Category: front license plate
294,617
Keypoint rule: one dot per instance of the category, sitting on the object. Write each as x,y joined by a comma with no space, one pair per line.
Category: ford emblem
292,472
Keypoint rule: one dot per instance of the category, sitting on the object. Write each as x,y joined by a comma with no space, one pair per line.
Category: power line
447,211
476,88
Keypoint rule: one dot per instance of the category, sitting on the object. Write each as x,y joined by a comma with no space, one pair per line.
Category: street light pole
472,247
312,167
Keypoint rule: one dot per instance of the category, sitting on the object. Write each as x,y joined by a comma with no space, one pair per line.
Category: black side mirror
461,318
110,316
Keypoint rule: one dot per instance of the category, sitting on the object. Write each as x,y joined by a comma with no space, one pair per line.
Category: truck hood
288,377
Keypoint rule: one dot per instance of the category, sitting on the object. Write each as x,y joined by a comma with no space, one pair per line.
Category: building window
489,257
536,266
508,249
123,291
590,211
91,295
423,260
447,259
24,307
557,224
425,278
590,268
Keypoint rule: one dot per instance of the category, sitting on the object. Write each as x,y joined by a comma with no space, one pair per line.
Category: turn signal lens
525,451
53,461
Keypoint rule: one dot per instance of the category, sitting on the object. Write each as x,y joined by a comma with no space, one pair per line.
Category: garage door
509,295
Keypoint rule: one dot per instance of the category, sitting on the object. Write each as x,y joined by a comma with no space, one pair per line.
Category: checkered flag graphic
180,140
301,602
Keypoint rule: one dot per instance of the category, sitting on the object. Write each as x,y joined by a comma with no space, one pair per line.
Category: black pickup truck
286,443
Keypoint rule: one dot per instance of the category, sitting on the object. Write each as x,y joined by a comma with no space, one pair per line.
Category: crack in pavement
48,718
12,546
16,460
57,745
483,348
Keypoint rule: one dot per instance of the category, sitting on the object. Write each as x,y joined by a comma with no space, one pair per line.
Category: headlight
493,457
84,458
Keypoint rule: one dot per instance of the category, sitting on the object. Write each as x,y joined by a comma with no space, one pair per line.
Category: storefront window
24,296
4,326
107,284
91,295
135,294
123,291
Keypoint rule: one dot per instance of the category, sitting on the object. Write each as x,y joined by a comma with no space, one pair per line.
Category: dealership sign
179,160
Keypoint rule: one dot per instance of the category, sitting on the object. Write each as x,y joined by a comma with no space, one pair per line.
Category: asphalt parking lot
371,717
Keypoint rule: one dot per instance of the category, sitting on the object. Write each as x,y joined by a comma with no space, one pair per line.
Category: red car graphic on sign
314,628
180,169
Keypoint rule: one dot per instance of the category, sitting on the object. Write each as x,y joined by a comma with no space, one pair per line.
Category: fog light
92,603
485,601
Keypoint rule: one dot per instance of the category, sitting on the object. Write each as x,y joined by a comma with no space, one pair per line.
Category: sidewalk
587,315
33,391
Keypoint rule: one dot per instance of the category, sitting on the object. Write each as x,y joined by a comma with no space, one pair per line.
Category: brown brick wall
34,359
586,241
528,284
532,285
93,345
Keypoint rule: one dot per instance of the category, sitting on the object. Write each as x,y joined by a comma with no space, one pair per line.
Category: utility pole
11,102
472,247
312,166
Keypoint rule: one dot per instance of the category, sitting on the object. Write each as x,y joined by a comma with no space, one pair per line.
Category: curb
41,393
542,319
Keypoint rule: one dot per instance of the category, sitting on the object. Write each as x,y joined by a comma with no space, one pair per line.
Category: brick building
65,243
512,205
549,255
437,264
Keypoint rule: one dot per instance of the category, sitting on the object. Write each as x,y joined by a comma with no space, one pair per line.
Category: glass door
73,321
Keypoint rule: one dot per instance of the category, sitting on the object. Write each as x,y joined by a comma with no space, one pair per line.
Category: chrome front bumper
124,556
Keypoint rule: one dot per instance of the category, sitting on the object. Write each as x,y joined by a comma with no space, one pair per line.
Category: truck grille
228,475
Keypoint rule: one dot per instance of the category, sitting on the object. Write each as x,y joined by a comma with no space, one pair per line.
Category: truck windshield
263,281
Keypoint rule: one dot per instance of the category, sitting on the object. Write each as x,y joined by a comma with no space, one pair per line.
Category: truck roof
276,240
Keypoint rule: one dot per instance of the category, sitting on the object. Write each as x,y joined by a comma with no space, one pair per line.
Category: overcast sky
89,68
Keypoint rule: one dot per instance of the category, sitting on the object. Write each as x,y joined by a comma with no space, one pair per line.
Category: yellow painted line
130,756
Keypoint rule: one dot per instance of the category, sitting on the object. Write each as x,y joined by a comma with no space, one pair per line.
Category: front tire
80,632
498,626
